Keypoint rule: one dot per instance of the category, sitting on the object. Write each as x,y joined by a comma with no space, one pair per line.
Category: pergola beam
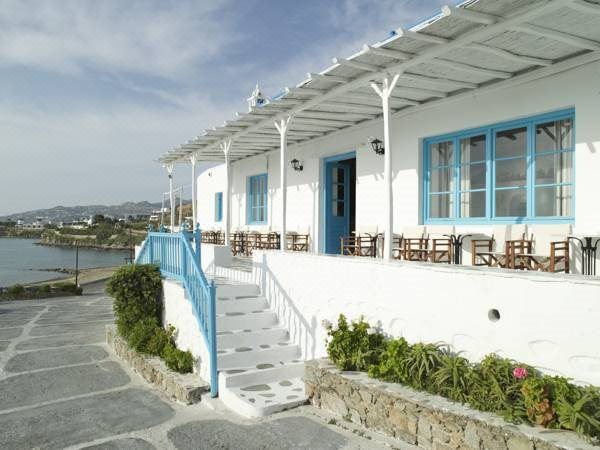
356,65
387,52
470,15
352,106
473,69
559,36
458,84
584,7
511,56
332,78
422,37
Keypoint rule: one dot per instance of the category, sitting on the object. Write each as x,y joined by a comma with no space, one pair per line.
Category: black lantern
377,146
296,165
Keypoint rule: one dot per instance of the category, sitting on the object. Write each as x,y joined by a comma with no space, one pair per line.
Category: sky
92,92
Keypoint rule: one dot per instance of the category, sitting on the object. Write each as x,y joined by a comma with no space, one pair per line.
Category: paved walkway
61,387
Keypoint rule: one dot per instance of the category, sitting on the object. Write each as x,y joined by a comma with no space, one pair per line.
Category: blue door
337,204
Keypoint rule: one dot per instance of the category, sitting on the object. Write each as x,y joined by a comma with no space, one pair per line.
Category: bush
178,360
354,347
137,292
516,391
70,288
16,290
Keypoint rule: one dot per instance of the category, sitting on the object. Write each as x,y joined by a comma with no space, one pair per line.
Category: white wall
576,88
548,321
177,311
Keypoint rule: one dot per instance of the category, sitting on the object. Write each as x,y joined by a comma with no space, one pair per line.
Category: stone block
517,442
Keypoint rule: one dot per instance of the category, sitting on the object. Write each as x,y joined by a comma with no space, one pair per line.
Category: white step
240,338
241,304
262,399
230,289
248,356
268,373
249,321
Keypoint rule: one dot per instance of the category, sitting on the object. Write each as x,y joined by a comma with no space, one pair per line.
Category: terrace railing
174,254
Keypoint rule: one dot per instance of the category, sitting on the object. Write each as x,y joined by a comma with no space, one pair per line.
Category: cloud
168,38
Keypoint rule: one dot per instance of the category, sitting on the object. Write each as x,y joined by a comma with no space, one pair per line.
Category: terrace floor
61,387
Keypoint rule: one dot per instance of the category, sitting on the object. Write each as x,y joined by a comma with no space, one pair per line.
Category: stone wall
185,388
429,421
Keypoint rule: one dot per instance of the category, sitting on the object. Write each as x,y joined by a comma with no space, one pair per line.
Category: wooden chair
550,252
362,242
441,243
238,243
499,249
298,241
415,244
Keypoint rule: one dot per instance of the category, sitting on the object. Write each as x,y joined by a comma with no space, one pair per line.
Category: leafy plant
137,292
390,366
354,346
420,362
16,290
537,400
453,378
577,408
178,360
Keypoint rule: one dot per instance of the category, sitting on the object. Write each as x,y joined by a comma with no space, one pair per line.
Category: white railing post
170,168
225,146
193,161
385,91
282,126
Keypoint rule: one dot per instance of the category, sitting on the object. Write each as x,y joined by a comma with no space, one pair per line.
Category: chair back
543,235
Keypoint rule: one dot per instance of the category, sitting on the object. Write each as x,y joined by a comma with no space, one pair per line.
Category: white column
170,168
193,160
282,127
225,146
384,91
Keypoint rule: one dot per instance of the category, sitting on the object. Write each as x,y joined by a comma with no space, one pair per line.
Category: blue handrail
176,258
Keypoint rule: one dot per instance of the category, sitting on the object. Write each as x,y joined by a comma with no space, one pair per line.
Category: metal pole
225,146
193,161
76,264
282,127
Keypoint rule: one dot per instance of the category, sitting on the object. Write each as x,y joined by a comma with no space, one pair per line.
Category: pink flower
519,373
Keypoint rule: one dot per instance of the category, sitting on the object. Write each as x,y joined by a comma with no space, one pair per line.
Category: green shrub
354,347
142,333
177,360
16,290
453,377
70,288
390,367
44,289
421,362
137,292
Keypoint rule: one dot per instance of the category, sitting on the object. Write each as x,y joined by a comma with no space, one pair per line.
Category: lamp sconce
377,146
296,165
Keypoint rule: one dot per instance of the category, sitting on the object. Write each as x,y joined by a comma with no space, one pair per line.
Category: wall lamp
377,146
296,165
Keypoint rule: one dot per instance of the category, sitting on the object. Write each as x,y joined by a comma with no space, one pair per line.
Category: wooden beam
324,122
387,52
584,7
304,90
473,69
325,77
356,65
559,36
511,56
470,15
420,91
353,106
347,117
422,37
439,81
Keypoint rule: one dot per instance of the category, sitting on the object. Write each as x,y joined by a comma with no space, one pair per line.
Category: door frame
323,190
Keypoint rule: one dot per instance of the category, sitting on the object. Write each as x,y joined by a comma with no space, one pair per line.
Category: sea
23,261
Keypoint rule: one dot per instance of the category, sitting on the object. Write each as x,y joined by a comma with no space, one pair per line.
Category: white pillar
384,91
282,127
170,168
225,146
193,160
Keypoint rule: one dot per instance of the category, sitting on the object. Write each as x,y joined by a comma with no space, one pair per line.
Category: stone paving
61,387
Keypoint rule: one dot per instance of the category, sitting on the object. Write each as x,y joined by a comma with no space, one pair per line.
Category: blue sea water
21,260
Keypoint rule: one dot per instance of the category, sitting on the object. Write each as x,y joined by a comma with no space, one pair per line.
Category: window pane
557,135
442,180
553,201
338,175
511,203
442,154
472,204
472,149
472,176
553,168
337,208
338,192
510,143
510,172
441,206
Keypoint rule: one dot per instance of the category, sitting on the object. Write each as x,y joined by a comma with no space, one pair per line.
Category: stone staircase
260,370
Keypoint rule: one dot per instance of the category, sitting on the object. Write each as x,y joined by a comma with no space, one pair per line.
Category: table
457,241
588,253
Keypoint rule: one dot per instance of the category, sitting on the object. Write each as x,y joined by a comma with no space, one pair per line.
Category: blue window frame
256,200
514,172
218,206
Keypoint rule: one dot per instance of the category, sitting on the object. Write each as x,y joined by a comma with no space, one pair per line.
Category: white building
489,118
